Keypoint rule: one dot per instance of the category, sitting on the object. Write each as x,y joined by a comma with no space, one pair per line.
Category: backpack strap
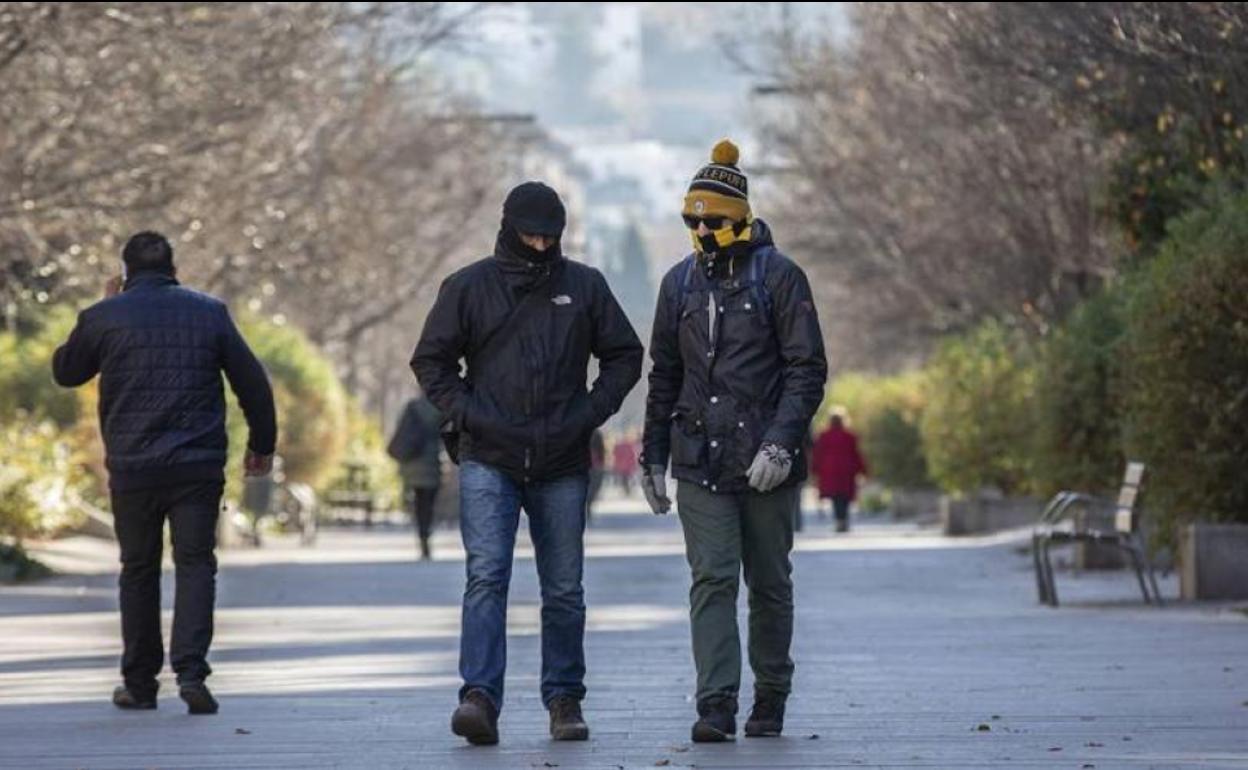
758,274
688,265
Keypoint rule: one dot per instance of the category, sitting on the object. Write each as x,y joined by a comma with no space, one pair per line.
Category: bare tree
927,189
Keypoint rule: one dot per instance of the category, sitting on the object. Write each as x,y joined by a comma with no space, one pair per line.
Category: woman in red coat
837,463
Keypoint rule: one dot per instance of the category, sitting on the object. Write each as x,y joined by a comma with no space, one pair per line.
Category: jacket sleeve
78,360
667,373
618,350
442,344
801,348
251,385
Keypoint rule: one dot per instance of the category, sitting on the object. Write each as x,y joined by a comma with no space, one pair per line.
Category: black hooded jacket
712,404
523,407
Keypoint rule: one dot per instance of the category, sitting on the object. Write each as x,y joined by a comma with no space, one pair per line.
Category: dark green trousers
723,534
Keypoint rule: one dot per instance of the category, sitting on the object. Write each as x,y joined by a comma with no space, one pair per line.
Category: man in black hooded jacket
525,321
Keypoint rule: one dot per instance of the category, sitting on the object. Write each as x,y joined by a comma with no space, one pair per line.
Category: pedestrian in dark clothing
838,463
738,373
415,446
597,471
525,321
160,349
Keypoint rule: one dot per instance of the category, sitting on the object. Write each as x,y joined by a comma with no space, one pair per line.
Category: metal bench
355,493
1057,526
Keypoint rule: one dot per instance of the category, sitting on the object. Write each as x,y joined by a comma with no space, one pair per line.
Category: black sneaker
566,721
132,700
767,716
718,720
198,699
476,719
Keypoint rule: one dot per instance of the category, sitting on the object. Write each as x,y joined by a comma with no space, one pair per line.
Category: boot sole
763,731
707,734
198,702
570,733
143,706
470,728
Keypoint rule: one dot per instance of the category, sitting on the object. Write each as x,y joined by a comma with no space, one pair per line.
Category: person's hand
113,286
654,486
770,468
257,464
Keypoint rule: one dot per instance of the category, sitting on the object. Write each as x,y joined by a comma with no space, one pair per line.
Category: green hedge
1077,407
312,412
978,426
1185,368
884,411
41,480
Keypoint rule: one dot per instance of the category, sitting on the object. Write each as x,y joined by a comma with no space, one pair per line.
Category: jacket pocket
688,450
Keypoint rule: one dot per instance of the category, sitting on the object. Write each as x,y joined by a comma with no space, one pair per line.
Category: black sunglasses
712,223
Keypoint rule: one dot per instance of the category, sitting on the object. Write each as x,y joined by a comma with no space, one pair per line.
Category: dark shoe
718,720
197,698
476,719
566,721
842,525
125,698
426,554
767,716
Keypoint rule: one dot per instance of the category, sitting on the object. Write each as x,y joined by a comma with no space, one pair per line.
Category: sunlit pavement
912,650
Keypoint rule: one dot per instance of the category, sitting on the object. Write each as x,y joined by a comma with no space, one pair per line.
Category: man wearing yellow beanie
738,373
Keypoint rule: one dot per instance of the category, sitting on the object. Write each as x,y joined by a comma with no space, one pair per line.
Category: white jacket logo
562,299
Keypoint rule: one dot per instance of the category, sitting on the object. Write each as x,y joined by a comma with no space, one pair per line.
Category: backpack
410,437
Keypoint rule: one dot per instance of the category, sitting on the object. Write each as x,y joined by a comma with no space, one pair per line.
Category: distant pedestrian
837,466
416,448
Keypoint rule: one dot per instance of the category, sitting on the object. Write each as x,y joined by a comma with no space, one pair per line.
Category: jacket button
705,482
714,444
714,488
714,399
740,425
747,306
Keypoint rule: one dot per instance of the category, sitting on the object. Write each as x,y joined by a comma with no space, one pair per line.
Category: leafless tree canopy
951,162
298,154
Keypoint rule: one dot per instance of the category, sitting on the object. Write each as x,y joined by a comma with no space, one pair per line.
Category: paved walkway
912,650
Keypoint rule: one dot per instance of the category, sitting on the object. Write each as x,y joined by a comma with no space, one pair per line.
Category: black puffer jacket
160,349
711,406
524,408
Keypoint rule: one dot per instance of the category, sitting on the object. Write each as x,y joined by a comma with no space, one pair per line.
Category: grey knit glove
771,466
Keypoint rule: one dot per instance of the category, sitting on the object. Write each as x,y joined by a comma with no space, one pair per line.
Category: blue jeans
490,503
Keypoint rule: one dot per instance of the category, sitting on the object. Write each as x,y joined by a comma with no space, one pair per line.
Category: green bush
27,390
311,404
1078,415
1185,368
978,424
41,480
894,450
885,413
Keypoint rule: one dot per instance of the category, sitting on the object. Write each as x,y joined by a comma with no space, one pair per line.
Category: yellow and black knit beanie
719,189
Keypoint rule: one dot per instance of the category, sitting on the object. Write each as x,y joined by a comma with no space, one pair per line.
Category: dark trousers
840,508
726,534
423,501
139,520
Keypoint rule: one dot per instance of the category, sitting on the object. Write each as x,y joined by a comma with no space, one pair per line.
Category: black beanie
535,209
